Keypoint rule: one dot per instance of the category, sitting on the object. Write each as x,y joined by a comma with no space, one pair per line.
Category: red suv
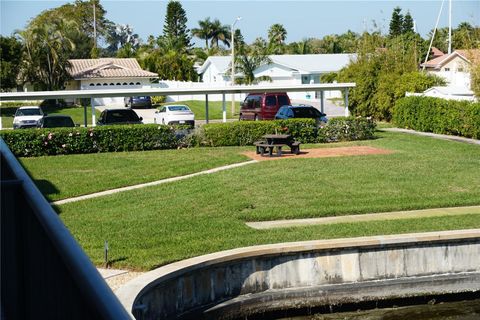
263,106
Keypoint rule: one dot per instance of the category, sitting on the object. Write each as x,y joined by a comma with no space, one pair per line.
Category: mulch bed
322,153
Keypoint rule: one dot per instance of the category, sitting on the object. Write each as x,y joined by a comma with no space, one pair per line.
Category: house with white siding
283,69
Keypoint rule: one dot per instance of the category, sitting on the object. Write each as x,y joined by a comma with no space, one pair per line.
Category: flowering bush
55,141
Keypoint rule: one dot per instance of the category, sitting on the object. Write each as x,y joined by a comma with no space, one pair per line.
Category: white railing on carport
319,87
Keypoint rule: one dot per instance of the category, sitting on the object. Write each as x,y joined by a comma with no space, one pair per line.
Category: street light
233,61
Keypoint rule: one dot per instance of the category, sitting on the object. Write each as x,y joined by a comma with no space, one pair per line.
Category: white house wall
455,72
99,84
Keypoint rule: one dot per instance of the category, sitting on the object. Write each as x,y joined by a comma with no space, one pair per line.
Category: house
108,73
454,67
283,69
449,93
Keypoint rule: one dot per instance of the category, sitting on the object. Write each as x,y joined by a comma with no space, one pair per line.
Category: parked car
119,116
175,114
301,111
138,102
27,117
263,106
55,121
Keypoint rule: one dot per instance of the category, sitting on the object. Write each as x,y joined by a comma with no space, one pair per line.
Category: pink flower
50,136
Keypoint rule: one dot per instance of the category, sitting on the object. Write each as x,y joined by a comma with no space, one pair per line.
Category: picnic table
277,141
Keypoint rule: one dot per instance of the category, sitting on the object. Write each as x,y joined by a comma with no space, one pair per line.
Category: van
263,106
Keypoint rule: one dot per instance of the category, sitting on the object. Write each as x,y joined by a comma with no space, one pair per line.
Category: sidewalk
435,135
395,215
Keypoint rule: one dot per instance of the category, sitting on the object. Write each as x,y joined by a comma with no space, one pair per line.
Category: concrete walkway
435,135
396,215
153,183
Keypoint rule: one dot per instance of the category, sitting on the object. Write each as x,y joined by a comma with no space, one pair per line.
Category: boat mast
449,26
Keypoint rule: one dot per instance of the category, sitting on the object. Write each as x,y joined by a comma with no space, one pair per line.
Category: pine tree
396,23
175,27
408,23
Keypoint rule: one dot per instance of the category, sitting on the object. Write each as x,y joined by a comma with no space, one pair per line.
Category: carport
320,88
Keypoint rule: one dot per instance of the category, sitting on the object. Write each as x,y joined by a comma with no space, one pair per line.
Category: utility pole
233,61
94,28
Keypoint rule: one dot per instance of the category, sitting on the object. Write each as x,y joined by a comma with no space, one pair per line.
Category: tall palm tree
204,31
221,33
276,38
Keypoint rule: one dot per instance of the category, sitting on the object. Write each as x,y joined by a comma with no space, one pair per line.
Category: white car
27,117
175,114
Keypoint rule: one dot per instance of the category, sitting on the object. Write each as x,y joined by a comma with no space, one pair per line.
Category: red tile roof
469,55
108,68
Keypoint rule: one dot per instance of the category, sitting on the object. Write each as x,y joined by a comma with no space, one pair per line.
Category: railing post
206,108
85,115
322,103
92,103
347,112
224,108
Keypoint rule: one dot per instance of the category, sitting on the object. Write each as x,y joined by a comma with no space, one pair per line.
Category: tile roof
108,68
468,55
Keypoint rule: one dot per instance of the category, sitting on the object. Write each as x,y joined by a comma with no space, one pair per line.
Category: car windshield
178,108
122,116
28,112
58,122
141,98
282,100
306,112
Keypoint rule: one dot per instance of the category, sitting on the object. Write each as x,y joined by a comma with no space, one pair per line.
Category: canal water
461,310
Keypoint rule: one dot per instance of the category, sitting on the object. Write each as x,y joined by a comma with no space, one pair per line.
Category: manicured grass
7,113
60,177
214,108
153,226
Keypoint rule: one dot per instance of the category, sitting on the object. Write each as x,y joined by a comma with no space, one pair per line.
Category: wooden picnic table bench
272,141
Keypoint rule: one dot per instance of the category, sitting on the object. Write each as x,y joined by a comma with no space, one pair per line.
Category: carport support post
224,108
206,108
92,103
347,112
322,103
85,115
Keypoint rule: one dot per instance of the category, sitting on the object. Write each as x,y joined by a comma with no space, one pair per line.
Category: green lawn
150,227
7,113
62,177
214,109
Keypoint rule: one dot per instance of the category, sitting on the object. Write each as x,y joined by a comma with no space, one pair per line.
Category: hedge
439,116
243,133
55,141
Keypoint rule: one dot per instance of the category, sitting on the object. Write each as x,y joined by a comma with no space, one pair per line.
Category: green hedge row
243,133
42,142
437,115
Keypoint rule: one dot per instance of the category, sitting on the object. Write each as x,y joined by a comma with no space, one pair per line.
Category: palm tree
220,32
247,64
47,50
204,31
276,38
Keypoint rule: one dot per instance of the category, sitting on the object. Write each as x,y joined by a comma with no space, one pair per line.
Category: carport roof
108,68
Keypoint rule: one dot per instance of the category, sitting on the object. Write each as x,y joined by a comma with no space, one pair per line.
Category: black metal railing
44,272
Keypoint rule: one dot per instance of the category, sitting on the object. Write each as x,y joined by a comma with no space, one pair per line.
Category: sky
301,19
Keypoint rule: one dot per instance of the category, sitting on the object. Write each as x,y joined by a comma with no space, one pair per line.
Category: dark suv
263,106
138,102
301,111
118,116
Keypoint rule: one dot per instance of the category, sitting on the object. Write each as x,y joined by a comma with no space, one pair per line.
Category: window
460,69
91,84
270,101
99,84
282,100
112,84
447,69
138,83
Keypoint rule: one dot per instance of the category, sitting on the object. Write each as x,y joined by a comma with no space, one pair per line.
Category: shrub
438,116
55,141
158,99
244,133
